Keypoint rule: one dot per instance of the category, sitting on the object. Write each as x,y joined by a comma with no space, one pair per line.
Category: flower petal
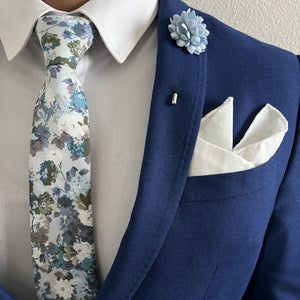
189,31
175,35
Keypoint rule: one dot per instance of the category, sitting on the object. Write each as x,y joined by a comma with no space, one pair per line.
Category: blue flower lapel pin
189,31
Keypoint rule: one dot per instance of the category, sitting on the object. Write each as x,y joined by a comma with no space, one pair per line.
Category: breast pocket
230,185
226,218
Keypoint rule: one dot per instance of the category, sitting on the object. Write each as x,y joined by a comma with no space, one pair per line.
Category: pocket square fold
214,152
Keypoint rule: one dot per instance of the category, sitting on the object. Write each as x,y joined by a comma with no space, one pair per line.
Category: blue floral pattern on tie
59,166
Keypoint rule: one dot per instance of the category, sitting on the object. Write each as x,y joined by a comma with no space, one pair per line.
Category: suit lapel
171,137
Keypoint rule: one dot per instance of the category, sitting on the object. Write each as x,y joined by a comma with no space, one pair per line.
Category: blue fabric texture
228,236
5,295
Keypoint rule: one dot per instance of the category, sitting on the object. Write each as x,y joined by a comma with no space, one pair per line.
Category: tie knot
64,38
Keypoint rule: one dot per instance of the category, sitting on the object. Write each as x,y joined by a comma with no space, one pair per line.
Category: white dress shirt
118,76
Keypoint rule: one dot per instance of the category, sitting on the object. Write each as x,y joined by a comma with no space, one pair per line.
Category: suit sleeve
277,273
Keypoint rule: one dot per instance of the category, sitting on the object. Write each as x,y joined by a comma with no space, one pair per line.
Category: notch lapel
171,136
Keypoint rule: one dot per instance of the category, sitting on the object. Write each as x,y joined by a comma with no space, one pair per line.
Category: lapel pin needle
174,98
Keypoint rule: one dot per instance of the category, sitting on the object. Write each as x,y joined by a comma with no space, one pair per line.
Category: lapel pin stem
174,98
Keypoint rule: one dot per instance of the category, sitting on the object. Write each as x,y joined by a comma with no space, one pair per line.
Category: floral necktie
59,166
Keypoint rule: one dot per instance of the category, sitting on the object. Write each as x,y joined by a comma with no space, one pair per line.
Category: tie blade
60,179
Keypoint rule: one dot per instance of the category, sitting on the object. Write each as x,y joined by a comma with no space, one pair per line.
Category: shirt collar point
12,53
119,57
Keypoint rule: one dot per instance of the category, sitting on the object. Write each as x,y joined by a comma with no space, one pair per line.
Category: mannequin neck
65,5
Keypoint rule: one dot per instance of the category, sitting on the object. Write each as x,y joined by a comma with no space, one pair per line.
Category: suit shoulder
236,50
231,37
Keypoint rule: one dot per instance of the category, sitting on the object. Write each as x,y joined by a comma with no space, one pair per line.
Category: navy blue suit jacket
220,237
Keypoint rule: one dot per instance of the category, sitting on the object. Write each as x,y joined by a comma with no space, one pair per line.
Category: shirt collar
120,23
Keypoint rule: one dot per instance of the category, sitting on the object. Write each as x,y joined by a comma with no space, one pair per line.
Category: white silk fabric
214,152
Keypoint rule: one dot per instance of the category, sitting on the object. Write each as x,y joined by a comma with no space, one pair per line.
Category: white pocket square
214,152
